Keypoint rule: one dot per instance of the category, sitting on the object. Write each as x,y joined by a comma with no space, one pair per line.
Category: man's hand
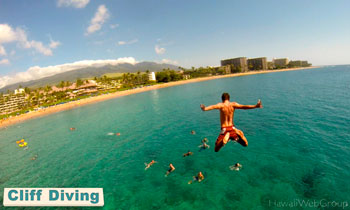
202,107
259,105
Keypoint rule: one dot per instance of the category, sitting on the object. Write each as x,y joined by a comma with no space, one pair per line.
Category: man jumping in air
228,130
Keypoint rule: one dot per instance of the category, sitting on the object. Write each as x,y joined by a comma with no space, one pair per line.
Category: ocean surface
299,145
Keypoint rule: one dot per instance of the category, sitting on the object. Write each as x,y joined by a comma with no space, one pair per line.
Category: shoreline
95,99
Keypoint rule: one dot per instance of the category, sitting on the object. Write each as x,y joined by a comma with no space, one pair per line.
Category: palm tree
47,88
124,78
27,90
79,82
61,84
138,77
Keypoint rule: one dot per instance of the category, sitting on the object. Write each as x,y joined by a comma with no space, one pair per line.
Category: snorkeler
228,131
149,164
188,153
198,178
236,167
72,129
171,169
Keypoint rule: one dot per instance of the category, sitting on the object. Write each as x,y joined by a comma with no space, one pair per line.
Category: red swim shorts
233,136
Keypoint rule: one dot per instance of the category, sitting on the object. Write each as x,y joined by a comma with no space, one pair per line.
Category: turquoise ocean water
298,145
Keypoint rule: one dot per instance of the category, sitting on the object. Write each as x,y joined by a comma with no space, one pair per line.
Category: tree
27,90
61,84
145,78
138,77
47,88
79,83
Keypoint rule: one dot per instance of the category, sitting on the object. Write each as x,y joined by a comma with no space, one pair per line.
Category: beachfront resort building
11,103
257,63
299,63
152,76
19,91
88,87
280,62
112,85
239,64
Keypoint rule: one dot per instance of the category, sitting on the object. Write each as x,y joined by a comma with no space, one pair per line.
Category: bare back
226,114
227,110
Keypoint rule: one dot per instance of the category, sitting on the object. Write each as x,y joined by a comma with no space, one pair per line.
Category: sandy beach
74,104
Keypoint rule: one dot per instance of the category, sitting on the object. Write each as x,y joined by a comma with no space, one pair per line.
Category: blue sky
188,33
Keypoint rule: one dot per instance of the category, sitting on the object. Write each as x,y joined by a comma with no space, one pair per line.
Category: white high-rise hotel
152,76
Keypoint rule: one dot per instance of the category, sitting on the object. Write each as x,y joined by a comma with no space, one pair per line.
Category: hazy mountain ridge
91,72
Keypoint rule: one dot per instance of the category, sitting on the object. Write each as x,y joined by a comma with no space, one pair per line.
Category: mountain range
89,72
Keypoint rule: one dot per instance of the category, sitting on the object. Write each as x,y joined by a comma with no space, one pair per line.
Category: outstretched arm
239,106
207,108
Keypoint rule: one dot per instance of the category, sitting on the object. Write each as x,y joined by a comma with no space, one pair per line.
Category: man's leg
221,141
241,138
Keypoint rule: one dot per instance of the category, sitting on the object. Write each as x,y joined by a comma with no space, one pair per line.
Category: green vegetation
113,75
168,76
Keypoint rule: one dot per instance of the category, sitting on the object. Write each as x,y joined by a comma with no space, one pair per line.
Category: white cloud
2,50
72,3
38,46
8,34
159,50
168,61
37,72
4,62
113,26
128,42
54,44
97,21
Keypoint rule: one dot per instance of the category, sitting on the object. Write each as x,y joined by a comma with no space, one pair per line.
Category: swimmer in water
149,164
205,140
193,132
72,129
198,178
34,157
236,167
171,169
204,146
188,153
